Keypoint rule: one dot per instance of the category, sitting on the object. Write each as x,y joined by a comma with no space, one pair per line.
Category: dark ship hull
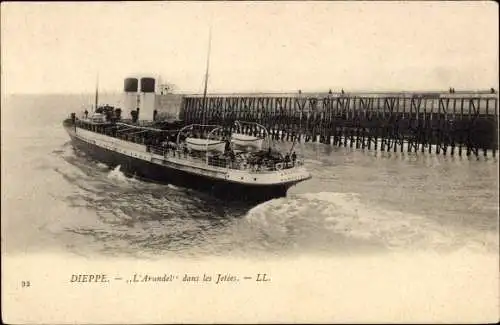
149,171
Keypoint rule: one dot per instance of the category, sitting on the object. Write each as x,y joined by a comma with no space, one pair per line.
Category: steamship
148,140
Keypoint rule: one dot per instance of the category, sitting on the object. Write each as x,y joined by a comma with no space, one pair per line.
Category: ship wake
343,222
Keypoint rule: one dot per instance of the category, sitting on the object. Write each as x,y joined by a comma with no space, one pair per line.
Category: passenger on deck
134,116
147,141
294,158
86,114
287,160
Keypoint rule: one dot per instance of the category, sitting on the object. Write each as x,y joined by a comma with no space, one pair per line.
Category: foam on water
117,174
173,187
320,216
102,166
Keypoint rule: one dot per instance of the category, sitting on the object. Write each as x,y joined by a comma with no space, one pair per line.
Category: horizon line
346,91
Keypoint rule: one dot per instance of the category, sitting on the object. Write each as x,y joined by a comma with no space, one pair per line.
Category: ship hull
149,171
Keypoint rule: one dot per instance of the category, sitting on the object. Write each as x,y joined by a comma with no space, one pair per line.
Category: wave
102,166
330,220
117,174
173,187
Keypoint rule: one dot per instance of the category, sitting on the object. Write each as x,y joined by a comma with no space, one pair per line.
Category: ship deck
177,158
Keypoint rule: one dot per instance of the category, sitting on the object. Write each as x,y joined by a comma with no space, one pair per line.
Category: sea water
358,204
356,201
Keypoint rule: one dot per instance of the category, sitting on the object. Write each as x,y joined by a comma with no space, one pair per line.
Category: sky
256,46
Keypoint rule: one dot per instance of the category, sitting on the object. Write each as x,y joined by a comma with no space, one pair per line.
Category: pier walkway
462,122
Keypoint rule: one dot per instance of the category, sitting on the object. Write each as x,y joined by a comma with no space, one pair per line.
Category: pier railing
464,123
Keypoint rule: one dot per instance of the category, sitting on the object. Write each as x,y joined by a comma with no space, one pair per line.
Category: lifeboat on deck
249,142
205,141
205,144
246,141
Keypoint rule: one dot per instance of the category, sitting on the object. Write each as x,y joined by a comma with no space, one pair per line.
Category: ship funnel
131,85
147,99
140,93
131,93
147,85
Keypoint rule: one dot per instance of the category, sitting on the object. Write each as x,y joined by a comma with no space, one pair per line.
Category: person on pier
294,158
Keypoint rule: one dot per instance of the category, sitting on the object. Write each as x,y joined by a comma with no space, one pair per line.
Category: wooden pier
463,123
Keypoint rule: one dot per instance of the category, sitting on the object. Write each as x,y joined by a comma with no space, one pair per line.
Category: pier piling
463,123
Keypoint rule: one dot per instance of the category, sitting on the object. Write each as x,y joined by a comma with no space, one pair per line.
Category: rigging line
206,73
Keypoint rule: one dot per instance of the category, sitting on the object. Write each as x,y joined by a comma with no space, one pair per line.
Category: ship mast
96,93
206,74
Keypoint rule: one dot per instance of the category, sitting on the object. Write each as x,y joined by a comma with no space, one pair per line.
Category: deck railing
238,163
223,162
